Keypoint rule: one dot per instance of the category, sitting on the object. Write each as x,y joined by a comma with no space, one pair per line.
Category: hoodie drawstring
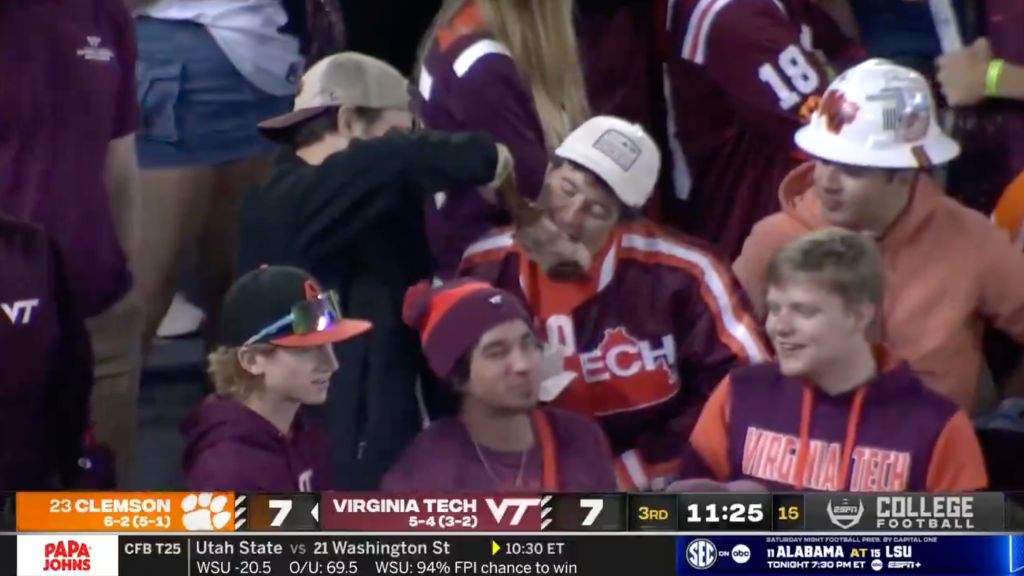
852,422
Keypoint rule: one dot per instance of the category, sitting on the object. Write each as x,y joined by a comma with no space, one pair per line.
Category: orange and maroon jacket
891,434
656,325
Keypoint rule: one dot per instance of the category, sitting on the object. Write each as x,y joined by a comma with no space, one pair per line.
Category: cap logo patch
311,289
837,111
618,148
495,299
906,108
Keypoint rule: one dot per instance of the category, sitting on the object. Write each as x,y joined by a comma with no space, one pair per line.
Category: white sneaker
183,318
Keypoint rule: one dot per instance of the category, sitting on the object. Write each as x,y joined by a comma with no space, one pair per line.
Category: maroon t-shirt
739,75
68,91
444,458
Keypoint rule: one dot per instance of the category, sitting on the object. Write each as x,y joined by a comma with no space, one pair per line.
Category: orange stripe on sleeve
710,437
490,248
957,464
735,325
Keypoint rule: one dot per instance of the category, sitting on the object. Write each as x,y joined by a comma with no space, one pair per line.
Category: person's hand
504,167
537,234
550,247
962,74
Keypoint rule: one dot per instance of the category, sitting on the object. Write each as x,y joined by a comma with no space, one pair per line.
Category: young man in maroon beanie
481,341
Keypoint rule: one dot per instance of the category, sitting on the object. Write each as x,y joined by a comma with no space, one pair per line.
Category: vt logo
20,312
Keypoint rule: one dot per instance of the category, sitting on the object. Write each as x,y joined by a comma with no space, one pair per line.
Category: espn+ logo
702,554
67,556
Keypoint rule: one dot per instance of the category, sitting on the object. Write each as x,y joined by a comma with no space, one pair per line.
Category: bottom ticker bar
387,555
446,555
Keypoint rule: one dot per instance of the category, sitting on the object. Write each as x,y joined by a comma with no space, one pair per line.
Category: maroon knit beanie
451,318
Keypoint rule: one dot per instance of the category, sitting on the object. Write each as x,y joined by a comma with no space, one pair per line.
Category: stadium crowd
682,245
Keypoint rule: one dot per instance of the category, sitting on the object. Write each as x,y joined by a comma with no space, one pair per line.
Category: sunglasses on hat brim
312,322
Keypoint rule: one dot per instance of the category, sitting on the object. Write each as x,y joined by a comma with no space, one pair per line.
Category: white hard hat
619,152
878,115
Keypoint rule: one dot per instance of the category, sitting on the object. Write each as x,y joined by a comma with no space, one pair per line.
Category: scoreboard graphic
178,534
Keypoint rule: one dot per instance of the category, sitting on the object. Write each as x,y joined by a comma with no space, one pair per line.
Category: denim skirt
197,108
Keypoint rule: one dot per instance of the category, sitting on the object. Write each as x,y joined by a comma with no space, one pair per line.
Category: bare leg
174,207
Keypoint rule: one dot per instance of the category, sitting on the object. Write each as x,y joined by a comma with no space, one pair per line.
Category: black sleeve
70,380
350,191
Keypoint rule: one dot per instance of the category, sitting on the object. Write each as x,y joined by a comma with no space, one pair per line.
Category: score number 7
594,507
283,507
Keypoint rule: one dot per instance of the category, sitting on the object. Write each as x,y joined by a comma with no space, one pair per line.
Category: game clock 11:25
725,512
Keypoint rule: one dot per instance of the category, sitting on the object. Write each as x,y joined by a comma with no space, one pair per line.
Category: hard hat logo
906,112
837,111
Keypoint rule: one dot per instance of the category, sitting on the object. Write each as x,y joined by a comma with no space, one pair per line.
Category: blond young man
275,356
835,412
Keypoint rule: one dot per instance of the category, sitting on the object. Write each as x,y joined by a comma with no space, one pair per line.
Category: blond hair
542,40
845,263
229,377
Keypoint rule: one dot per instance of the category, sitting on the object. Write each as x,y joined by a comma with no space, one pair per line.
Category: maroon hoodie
232,448
46,378
571,455
891,434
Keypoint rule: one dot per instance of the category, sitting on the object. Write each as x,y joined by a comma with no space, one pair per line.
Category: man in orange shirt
949,272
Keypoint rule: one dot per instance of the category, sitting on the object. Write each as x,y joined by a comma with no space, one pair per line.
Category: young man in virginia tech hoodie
834,413
949,272
276,355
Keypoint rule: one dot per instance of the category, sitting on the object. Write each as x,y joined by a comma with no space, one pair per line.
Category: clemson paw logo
204,512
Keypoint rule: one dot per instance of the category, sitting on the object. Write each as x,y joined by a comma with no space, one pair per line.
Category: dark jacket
46,375
230,447
356,222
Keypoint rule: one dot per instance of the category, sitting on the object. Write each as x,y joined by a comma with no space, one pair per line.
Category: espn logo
898,564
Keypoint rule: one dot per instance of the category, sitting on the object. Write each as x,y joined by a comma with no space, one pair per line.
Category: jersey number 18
793,63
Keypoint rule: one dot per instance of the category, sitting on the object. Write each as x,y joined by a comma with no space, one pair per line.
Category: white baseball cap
620,153
878,115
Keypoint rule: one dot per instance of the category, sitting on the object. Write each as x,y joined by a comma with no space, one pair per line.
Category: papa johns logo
701,554
67,556
846,515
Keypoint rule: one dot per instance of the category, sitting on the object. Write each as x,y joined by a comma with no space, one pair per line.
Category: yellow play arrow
495,548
